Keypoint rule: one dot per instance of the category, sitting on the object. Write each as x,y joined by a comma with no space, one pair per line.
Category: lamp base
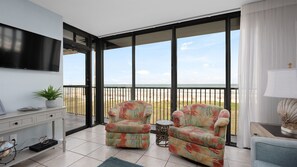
287,130
287,109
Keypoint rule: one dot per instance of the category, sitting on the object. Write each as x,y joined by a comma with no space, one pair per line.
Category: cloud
205,65
185,46
208,44
143,72
166,74
194,58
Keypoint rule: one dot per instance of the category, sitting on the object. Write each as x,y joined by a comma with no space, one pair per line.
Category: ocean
168,85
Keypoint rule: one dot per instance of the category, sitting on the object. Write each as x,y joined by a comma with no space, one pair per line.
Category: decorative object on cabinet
283,84
30,108
51,94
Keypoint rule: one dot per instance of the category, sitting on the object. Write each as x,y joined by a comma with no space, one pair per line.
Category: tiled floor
87,148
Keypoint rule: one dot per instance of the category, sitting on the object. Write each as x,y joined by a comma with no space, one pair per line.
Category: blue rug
115,162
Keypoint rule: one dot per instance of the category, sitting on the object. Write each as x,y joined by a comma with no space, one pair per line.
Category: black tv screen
26,50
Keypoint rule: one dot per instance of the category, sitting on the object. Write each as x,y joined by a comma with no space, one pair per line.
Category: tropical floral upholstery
129,125
199,133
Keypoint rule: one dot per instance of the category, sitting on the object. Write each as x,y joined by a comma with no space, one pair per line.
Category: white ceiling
105,17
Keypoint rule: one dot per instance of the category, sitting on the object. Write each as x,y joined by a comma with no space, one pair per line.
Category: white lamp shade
282,83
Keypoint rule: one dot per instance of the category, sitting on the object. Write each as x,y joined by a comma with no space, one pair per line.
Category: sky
201,60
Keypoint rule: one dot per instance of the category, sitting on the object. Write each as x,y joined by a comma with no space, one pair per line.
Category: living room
175,58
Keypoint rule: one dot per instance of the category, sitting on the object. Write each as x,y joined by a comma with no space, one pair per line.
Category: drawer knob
16,123
51,115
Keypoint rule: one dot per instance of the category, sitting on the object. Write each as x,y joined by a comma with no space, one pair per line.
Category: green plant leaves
50,93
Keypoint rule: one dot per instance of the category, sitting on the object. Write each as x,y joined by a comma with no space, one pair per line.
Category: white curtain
268,41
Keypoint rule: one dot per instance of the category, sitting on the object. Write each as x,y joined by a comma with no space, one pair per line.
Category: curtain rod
171,22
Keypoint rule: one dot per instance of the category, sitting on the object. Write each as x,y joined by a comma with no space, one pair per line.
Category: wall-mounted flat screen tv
26,50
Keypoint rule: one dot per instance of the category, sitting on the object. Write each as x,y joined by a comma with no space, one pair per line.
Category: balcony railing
75,99
159,97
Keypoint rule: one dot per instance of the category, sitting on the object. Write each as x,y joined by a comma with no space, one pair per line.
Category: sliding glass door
74,77
78,73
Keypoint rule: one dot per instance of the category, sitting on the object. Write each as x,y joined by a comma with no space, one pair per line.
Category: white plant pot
51,103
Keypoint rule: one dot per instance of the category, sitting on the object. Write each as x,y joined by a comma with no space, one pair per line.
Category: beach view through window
201,68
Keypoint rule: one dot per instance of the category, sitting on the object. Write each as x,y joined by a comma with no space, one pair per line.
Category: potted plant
51,94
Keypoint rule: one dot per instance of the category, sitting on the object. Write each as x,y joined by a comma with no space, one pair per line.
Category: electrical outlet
13,137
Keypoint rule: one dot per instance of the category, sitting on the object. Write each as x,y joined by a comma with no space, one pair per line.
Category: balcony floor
88,147
73,121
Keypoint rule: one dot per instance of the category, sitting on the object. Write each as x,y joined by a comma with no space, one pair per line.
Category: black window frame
227,96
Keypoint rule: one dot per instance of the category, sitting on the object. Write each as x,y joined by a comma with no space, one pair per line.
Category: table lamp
283,83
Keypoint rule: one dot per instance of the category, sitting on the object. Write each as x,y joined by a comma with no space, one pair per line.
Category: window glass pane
201,64
201,56
201,29
235,36
153,72
8,39
117,72
118,62
67,34
94,85
73,67
235,41
153,59
81,40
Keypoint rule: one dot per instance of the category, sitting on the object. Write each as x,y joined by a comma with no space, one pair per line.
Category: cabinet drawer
4,126
58,114
46,117
41,118
27,121
15,123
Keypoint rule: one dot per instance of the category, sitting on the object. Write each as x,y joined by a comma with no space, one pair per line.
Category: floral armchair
199,133
129,125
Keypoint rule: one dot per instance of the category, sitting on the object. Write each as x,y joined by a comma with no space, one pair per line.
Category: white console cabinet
15,121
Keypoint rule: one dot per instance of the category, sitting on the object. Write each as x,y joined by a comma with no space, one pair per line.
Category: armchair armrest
281,152
147,114
221,123
178,118
113,115
223,118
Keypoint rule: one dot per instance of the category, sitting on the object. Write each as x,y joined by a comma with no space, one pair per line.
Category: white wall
17,86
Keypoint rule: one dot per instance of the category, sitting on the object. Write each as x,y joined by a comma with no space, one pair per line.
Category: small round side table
162,127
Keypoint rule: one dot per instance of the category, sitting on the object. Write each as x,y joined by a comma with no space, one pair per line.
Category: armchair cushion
129,110
201,115
128,126
198,136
